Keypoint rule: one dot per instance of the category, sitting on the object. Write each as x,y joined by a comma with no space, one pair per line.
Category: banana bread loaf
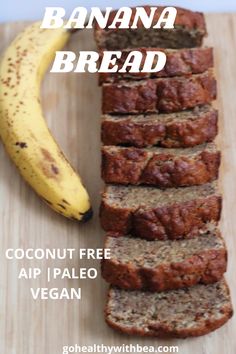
178,63
153,213
160,167
173,130
187,312
159,95
165,265
189,31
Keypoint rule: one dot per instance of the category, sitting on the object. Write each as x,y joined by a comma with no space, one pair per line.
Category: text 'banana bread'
159,95
153,213
189,31
160,167
165,265
187,312
178,63
173,130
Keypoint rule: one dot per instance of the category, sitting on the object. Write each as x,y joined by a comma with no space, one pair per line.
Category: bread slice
189,31
178,63
159,95
173,130
160,167
152,213
187,312
164,265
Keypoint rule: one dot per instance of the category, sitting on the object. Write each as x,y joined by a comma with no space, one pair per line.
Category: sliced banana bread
187,312
159,95
164,265
189,31
160,167
173,130
178,63
153,213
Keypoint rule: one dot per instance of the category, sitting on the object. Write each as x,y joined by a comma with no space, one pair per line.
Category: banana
23,129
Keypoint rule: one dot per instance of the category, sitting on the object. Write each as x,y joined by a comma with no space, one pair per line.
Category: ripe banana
23,129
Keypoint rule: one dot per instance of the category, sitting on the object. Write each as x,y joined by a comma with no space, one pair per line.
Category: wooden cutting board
72,106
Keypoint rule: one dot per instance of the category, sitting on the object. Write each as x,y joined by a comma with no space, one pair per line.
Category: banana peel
23,129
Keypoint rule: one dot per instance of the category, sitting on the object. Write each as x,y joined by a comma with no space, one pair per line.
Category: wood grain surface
72,107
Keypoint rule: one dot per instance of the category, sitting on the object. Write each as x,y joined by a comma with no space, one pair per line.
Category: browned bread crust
178,63
174,130
165,265
159,95
181,313
160,167
189,31
155,214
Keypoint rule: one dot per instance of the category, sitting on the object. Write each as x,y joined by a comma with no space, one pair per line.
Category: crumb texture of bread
161,205
189,31
160,167
173,130
178,63
181,313
159,95
165,265
152,213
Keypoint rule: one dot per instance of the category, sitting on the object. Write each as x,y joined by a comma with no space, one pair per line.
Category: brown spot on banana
50,170
46,201
48,165
62,206
65,202
47,156
55,169
21,144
